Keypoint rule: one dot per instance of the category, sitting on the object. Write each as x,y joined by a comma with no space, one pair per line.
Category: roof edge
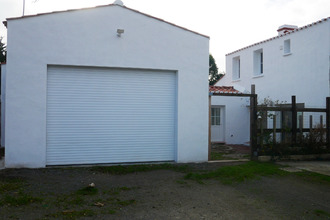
219,79
223,90
282,35
99,6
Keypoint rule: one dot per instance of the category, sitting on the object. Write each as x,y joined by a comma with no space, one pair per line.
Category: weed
109,211
112,212
117,190
8,184
217,156
238,173
78,200
7,187
316,177
88,190
247,156
19,199
73,214
319,212
125,202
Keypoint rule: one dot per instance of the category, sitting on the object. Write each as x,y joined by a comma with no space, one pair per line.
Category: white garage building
103,85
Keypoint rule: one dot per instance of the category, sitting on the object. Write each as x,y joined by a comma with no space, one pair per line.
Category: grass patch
122,170
315,177
88,190
222,156
19,199
8,187
73,214
89,201
238,173
217,156
111,212
319,212
8,184
77,200
117,190
125,202
64,201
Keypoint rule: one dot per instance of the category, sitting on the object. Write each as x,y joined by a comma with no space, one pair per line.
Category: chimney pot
286,29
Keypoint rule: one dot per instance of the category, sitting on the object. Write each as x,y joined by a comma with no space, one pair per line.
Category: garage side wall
89,38
3,102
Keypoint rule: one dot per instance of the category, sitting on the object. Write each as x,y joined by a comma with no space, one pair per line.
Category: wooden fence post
261,137
274,129
301,127
310,124
253,121
294,120
321,128
311,136
328,121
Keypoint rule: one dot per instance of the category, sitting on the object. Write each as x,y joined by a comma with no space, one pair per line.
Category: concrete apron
322,167
2,163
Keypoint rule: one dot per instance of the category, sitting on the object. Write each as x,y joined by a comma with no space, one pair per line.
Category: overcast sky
231,24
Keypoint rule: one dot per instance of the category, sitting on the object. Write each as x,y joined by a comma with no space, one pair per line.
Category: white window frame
258,62
215,116
287,47
236,61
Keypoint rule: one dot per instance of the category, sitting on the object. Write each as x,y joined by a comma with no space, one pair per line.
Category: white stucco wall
304,73
237,118
89,38
3,103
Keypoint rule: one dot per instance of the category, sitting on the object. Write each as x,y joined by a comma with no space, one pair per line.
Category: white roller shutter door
103,115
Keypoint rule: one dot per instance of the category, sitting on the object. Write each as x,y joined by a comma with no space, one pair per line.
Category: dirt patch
158,194
225,152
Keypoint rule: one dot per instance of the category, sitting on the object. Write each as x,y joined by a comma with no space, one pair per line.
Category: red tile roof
223,89
291,32
46,13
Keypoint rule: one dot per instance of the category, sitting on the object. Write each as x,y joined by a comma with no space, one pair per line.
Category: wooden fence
291,134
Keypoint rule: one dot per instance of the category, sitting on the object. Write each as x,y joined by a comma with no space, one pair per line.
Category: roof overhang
100,6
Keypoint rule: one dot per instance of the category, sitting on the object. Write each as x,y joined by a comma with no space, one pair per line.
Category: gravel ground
162,194
231,151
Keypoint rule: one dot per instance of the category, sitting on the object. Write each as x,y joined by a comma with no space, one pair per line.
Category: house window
258,62
236,68
287,47
261,63
215,116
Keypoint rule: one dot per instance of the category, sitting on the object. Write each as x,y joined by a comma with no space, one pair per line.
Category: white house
296,62
107,84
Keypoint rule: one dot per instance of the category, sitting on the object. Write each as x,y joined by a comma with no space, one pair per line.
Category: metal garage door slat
100,115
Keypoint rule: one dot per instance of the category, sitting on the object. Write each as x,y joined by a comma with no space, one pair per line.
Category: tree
214,75
2,51
2,56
